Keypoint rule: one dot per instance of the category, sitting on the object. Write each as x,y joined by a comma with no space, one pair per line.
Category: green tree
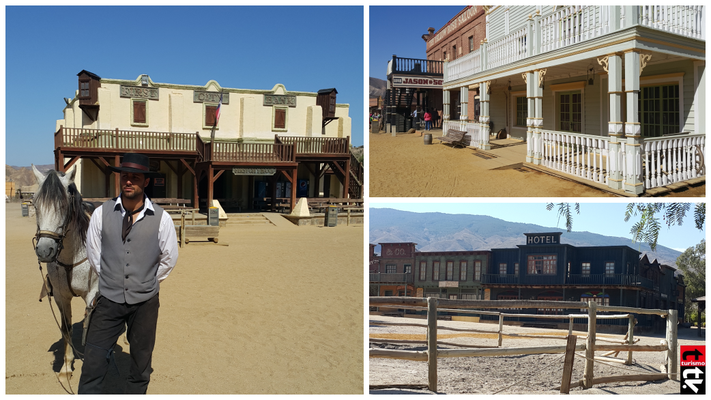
692,264
651,216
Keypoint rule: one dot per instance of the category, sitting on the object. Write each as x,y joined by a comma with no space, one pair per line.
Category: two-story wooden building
241,146
612,94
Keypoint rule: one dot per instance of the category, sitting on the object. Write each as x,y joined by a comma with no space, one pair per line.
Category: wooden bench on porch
455,137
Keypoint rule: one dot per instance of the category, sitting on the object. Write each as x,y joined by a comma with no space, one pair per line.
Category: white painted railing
573,24
508,49
584,156
673,159
680,20
472,128
464,66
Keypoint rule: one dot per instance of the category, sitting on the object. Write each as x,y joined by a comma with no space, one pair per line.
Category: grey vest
128,270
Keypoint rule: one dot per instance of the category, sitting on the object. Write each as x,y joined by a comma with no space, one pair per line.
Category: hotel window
279,118
139,115
542,265
454,52
408,268
502,268
516,269
477,271
210,110
586,269
570,111
462,270
521,111
609,268
471,43
450,270
423,270
435,271
390,268
444,56
659,110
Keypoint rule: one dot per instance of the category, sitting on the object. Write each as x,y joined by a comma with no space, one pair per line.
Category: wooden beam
398,354
568,364
70,163
432,352
293,191
590,346
188,166
169,166
217,175
506,351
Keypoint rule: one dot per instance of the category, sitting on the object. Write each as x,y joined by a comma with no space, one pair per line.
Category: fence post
501,329
590,346
570,325
432,343
568,364
672,363
630,339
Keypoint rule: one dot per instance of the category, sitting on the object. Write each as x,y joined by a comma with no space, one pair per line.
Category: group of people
431,118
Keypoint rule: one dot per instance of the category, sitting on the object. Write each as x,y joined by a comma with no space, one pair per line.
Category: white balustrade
573,24
508,49
673,159
584,156
464,66
680,20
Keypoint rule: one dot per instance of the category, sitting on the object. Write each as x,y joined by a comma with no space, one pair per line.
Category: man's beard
137,194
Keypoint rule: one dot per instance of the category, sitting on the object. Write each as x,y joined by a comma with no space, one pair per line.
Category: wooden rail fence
434,305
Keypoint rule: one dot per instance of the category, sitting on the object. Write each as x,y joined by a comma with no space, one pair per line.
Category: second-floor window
423,270
408,268
435,271
450,270
390,268
585,268
462,270
609,268
502,268
477,271
138,114
542,264
516,269
84,89
210,111
471,43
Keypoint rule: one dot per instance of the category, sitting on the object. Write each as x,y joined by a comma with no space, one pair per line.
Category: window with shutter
210,115
279,118
139,114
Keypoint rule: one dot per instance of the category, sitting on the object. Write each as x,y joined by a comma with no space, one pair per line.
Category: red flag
217,111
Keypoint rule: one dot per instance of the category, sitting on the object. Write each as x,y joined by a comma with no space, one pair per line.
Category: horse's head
53,209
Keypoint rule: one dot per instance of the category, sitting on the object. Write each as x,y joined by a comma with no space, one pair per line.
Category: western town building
262,146
542,268
610,94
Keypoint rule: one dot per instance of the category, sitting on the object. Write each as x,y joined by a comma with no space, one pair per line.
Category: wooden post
182,228
672,362
568,364
501,328
432,343
590,346
630,338
570,326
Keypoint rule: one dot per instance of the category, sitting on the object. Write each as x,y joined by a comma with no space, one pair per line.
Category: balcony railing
121,141
316,145
269,153
415,66
673,159
575,279
379,277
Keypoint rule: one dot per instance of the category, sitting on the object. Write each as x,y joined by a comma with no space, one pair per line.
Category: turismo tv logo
693,369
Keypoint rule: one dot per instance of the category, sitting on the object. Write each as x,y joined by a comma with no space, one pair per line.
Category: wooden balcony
250,153
317,147
80,140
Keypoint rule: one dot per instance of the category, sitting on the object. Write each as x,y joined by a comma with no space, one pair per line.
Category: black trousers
105,327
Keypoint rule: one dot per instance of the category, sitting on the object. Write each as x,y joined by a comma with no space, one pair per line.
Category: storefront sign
210,97
542,238
453,284
417,81
453,25
279,100
254,171
139,92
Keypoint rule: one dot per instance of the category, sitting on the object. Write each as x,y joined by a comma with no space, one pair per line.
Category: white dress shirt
166,238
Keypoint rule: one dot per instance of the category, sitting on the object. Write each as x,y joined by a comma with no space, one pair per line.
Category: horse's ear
40,177
71,174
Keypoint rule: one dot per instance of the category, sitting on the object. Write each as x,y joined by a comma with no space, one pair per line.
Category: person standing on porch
132,246
428,120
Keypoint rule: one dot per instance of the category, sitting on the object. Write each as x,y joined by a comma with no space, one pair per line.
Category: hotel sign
139,92
210,97
542,238
254,171
279,100
417,82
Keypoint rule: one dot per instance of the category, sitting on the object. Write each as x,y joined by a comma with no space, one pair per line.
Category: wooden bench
456,138
189,232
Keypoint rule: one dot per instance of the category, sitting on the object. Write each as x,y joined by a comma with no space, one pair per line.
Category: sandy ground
278,310
403,166
534,374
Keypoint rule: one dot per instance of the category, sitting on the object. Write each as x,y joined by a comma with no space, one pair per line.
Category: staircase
248,219
355,188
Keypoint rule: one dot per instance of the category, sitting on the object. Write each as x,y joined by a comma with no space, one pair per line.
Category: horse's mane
53,195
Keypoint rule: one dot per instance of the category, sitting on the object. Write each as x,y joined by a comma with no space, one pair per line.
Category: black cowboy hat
136,163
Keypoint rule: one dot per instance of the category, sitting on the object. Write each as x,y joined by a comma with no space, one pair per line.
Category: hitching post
671,343
630,339
501,328
432,343
590,346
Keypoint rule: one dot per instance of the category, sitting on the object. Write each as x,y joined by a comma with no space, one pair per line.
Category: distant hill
23,176
377,87
449,232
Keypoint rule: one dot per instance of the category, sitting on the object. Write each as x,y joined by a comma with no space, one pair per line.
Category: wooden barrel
428,138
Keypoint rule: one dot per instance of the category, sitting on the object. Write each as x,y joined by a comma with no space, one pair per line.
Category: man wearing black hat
131,244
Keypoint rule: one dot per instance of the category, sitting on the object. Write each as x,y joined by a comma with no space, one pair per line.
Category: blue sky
304,48
398,30
601,218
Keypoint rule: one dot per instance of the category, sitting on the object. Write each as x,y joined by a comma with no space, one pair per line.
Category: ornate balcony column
484,94
529,79
538,112
634,64
613,65
464,102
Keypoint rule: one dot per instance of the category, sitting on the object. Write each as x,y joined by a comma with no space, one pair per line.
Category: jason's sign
417,81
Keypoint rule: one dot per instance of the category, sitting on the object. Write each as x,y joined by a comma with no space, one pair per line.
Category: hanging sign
254,171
